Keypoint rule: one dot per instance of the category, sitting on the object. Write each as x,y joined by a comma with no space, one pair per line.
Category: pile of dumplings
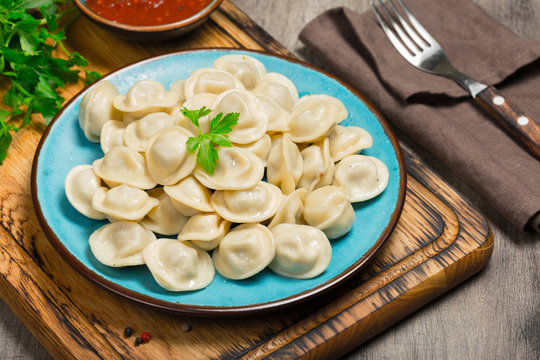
232,221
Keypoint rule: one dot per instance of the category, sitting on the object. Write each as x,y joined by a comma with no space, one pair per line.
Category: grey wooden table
494,315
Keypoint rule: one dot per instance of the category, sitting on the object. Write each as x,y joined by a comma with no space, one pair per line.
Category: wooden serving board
439,242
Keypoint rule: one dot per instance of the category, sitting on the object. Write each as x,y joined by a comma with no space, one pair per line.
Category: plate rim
224,311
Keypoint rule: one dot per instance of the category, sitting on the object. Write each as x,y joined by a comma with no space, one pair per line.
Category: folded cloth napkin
436,112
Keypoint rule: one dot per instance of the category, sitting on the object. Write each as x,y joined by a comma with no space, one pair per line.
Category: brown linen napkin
435,111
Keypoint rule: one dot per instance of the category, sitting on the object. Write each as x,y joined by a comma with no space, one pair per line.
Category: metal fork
420,49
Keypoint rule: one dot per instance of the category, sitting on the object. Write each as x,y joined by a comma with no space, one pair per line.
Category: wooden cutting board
439,242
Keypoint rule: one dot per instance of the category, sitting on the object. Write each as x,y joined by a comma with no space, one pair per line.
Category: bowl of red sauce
148,20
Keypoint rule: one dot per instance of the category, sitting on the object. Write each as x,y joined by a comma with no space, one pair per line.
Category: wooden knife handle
522,126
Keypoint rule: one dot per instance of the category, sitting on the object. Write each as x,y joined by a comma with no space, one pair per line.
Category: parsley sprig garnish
29,33
220,126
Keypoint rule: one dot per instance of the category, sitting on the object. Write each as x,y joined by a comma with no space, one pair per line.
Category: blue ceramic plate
64,146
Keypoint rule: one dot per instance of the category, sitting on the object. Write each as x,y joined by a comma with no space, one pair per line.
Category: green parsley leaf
220,126
31,4
30,33
195,115
192,144
220,139
207,155
223,124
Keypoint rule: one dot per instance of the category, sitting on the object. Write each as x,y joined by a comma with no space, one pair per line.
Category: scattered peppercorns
145,337
186,327
128,331
138,341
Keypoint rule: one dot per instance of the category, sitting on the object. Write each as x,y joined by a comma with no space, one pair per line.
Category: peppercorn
186,327
145,337
128,331
138,341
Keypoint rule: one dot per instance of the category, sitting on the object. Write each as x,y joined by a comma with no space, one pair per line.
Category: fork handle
520,125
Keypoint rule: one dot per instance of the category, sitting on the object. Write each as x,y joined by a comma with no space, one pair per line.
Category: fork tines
408,37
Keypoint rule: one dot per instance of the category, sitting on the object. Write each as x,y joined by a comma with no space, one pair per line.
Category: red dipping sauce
146,12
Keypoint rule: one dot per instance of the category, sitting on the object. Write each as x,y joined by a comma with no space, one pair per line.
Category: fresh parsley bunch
220,126
29,33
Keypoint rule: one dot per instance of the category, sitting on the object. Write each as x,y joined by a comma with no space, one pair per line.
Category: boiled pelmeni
348,140
318,166
314,116
164,219
139,132
364,177
205,230
96,108
329,209
252,205
291,210
178,266
123,165
80,185
189,196
302,251
167,157
112,134
236,169
284,164
123,202
245,68
244,251
120,243
210,80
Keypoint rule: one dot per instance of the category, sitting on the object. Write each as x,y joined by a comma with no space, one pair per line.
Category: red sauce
146,12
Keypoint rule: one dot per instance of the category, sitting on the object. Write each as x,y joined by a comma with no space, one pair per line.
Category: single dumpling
245,68
253,205
123,202
278,118
278,88
145,97
244,251
261,147
205,230
139,132
195,102
252,121
364,177
112,134
164,219
318,166
123,165
96,108
189,196
236,169
178,266
302,251
291,210
80,185
178,86
167,157
329,209
120,243
348,140
210,80
314,116
284,164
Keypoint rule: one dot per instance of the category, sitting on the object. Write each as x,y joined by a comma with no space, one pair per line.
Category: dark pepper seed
128,331
138,341
186,327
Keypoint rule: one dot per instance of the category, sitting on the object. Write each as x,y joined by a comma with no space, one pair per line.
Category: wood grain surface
495,315
498,310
